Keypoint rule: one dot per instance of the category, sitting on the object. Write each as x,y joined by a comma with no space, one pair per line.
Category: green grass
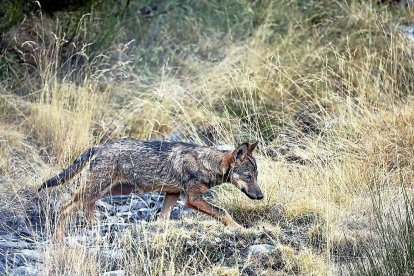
392,250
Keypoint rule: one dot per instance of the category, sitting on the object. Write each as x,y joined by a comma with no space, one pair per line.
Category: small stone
225,147
123,209
156,198
29,255
138,203
112,227
261,249
141,215
104,205
125,214
114,220
9,237
112,254
176,213
114,273
24,271
16,244
2,269
174,138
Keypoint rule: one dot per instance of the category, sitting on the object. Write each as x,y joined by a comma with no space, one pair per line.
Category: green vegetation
392,250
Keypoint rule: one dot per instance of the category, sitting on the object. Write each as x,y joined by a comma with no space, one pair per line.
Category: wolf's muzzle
257,195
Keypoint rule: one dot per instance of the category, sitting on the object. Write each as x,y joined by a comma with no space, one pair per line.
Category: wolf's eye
248,176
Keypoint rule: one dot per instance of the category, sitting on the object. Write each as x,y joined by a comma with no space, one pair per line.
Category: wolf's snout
255,195
259,195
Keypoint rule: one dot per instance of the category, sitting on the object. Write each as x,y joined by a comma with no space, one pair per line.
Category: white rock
114,273
225,147
258,249
105,205
24,271
409,32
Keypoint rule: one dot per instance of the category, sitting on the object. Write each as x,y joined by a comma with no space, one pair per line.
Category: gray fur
126,166
70,171
148,165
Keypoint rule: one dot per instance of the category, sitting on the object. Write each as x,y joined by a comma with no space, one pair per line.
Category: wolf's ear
240,153
251,148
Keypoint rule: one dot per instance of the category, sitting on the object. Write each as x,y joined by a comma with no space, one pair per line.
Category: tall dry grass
325,87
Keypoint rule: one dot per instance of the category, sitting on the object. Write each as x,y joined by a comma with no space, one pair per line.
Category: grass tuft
324,86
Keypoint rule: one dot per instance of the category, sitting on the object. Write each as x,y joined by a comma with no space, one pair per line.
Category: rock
123,209
125,214
174,138
114,220
409,32
101,203
114,273
144,214
225,147
258,249
116,200
24,271
15,253
176,213
112,254
138,203
15,244
261,257
154,198
2,268
109,228
28,255
8,237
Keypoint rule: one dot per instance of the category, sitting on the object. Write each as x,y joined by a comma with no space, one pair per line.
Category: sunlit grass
325,89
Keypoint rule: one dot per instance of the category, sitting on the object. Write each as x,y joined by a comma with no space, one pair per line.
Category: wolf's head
243,170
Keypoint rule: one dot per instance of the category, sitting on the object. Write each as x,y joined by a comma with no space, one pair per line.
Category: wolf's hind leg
90,209
86,198
90,202
65,212
168,205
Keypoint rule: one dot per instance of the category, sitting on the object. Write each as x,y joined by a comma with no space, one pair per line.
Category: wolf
129,166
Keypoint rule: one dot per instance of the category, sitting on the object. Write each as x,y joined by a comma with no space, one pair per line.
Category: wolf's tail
70,171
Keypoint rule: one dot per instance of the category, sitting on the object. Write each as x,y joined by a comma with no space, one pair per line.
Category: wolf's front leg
168,205
195,200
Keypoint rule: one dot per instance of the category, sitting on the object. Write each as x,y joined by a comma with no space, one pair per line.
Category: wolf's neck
217,163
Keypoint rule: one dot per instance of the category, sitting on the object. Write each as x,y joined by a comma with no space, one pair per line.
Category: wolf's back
70,171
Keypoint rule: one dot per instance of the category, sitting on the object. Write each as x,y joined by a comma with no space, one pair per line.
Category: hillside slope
326,87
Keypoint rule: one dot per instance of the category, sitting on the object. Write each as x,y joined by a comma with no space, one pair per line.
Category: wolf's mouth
258,196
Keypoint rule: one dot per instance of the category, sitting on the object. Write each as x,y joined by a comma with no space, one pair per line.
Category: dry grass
64,118
331,86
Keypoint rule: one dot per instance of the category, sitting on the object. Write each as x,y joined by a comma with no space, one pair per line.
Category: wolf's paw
237,226
233,224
